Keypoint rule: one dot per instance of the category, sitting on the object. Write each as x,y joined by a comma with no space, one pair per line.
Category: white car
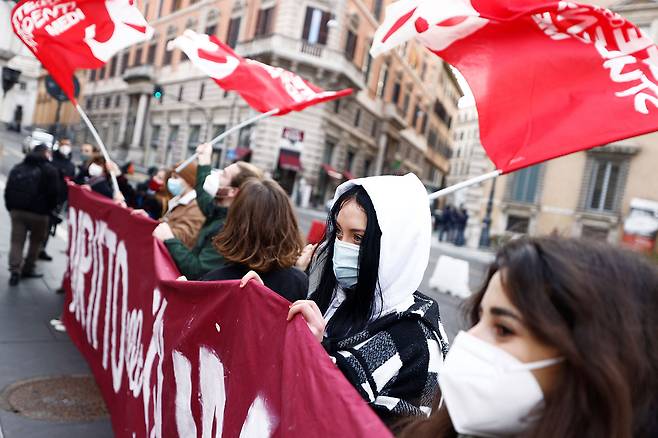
37,137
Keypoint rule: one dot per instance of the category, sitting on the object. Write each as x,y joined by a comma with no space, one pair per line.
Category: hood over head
403,213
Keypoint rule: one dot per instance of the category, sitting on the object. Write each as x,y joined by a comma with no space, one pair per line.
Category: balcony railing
302,51
139,73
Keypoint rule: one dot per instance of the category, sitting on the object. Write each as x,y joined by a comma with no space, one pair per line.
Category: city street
29,347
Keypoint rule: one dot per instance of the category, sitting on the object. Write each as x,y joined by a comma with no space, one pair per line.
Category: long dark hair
598,305
360,302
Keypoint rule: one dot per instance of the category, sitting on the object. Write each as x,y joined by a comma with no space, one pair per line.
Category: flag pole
224,134
464,184
97,137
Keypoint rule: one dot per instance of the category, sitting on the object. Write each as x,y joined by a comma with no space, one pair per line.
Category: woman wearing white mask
364,307
214,194
563,344
98,177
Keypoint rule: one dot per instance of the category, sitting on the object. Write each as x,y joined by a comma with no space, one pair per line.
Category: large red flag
66,35
549,77
262,86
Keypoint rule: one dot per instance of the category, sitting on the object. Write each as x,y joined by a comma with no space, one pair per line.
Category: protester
183,215
98,179
385,337
563,344
214,194
261,234
124,185
31,194
87,152
66,170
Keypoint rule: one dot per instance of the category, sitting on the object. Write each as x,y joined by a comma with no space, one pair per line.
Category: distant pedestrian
461,221
31,195
447,218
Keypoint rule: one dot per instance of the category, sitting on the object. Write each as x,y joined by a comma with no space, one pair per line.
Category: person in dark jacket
215,193
31,195
87,152
261,235
461,221
98,179
385,337
66,170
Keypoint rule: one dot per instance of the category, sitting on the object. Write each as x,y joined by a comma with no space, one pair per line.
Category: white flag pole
97,137
217,139
464,184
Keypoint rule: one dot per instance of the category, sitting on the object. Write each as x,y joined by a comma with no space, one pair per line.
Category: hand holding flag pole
226,133
269,90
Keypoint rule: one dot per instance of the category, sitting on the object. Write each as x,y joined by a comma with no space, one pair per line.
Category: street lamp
485,238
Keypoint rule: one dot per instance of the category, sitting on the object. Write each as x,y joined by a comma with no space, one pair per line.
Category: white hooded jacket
404,217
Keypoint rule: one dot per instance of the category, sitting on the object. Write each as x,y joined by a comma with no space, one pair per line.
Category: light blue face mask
346,263
175,186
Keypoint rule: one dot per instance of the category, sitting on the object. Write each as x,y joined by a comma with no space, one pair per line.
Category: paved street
30,348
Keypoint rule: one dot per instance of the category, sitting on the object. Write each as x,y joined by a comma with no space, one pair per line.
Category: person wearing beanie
183,214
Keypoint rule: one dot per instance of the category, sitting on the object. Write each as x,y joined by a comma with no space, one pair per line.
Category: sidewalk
29,347
463,252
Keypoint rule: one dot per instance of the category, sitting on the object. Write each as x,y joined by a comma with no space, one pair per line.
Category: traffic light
158,93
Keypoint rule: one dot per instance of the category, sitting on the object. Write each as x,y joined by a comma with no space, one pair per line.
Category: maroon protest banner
191,359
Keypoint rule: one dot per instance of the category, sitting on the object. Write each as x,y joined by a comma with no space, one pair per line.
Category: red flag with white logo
67,35
549,78
263,87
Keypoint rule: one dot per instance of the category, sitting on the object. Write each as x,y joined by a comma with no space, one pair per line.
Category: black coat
33,185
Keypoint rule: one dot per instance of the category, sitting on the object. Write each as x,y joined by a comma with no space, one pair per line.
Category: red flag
262,86
67,35
549,78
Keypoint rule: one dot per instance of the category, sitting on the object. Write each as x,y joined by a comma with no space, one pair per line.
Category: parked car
37,137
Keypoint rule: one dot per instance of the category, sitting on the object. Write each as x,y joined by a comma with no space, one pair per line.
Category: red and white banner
66,35
262,86
191,359
549,77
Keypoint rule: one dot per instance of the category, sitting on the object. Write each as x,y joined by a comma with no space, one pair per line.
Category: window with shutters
150,54
264,22
112,71
193,138
167,56
377,9
605,182
383,79
350,45
233,32
316,27
525,185
124,62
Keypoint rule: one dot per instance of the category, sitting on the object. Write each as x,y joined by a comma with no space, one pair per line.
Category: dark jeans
21,223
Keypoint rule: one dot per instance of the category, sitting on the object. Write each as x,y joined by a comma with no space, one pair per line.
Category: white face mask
489,392
95,170
211,184
65,150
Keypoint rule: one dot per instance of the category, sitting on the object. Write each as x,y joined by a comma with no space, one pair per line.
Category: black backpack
23,187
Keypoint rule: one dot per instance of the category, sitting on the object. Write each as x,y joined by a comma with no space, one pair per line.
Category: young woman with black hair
563,344
363,304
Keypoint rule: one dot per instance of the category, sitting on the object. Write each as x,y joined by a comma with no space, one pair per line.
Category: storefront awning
289,160
331,172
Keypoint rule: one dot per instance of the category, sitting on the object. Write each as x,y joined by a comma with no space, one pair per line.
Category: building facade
17,105
398,119
586,194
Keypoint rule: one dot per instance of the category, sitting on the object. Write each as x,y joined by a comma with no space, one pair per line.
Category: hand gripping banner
192,359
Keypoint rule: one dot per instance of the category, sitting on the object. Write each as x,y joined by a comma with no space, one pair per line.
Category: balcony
392,113
139,73
302,52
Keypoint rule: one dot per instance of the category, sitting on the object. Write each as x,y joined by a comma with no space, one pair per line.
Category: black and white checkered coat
394,362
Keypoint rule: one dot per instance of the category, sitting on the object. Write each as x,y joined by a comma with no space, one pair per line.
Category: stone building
397,120
584,194
19,102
